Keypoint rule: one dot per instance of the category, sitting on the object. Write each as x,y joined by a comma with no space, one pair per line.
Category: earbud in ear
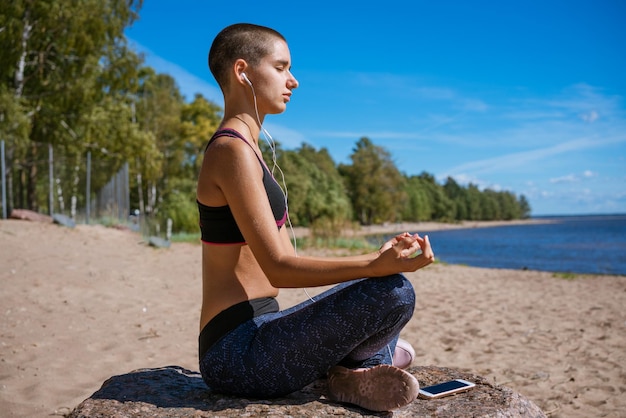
245,78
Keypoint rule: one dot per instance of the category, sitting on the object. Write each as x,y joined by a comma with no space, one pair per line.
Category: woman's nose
293,83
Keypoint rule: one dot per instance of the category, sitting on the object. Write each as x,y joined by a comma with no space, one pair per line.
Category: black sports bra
217,223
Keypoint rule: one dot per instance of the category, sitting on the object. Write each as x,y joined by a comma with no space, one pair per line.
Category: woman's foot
380,388
403,354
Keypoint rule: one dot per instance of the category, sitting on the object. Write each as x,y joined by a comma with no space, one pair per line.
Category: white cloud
573,178
508,161
466,104
474,105
570,178
436,93
465,180
590,116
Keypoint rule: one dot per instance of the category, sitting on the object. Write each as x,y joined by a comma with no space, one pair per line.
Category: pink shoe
381,388
404,354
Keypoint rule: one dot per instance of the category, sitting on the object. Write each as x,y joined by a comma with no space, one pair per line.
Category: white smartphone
446,388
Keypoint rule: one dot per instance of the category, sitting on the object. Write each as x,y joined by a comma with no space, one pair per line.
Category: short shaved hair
241,40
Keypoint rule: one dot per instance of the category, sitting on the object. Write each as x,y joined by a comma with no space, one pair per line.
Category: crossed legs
354,326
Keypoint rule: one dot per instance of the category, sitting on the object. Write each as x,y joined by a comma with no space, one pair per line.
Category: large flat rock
176,392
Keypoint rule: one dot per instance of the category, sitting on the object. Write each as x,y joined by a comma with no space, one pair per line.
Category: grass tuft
565,275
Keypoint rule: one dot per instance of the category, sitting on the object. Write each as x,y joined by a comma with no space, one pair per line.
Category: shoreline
419,227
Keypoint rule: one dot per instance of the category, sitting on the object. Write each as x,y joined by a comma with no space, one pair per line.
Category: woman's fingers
427,250
407,245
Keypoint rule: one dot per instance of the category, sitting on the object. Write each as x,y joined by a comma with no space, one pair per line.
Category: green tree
374,184
14,130
158,111
199,121
51,61
326,202
489,206
458,195
316,193
418,207
442,205
524,207
474,201
509,209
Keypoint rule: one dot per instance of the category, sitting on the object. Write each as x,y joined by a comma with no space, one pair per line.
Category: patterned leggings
354,324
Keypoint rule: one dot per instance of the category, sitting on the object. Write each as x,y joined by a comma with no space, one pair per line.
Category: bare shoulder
225,150
229,164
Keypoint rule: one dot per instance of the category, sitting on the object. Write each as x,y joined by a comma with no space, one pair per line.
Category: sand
80,305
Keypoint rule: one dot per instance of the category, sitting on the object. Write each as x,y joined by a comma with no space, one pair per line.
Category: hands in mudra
410,250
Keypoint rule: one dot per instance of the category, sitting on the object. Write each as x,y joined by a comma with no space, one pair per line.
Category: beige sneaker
381,388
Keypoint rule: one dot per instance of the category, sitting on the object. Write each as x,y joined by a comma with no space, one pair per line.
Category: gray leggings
354,324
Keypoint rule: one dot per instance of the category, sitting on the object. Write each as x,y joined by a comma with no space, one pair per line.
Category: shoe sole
380,388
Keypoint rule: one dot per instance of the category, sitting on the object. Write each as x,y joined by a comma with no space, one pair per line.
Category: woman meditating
247,345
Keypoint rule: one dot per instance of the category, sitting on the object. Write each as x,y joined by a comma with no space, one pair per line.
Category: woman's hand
397,239
403,253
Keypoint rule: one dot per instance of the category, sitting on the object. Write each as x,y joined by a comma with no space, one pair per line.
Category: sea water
573,244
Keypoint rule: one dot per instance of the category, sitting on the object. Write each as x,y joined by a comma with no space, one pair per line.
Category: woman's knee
397,288
405,293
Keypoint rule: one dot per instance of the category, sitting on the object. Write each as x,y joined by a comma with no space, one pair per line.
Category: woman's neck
244,124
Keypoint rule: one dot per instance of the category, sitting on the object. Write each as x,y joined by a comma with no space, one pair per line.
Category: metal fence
3,181
112,201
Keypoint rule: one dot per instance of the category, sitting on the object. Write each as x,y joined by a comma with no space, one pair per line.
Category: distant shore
420,227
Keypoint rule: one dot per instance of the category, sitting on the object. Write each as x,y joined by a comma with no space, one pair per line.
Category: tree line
70,80
371,190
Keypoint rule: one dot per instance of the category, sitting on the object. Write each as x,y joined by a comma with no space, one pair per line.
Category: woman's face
272,79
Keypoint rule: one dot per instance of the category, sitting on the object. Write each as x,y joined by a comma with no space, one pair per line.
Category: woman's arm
360,257
238,174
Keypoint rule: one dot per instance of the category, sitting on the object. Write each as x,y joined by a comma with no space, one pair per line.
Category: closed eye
282,65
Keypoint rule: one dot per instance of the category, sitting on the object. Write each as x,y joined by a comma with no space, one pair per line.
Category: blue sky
528,97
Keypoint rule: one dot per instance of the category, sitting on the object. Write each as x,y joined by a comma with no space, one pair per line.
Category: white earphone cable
272,144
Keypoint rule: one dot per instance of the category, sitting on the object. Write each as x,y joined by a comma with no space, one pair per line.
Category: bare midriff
230,274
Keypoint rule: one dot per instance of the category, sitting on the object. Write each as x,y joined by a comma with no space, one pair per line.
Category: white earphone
245,78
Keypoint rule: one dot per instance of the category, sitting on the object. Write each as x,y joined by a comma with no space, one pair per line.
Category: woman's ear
239,68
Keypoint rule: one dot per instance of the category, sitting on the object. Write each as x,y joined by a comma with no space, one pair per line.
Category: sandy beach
80,305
